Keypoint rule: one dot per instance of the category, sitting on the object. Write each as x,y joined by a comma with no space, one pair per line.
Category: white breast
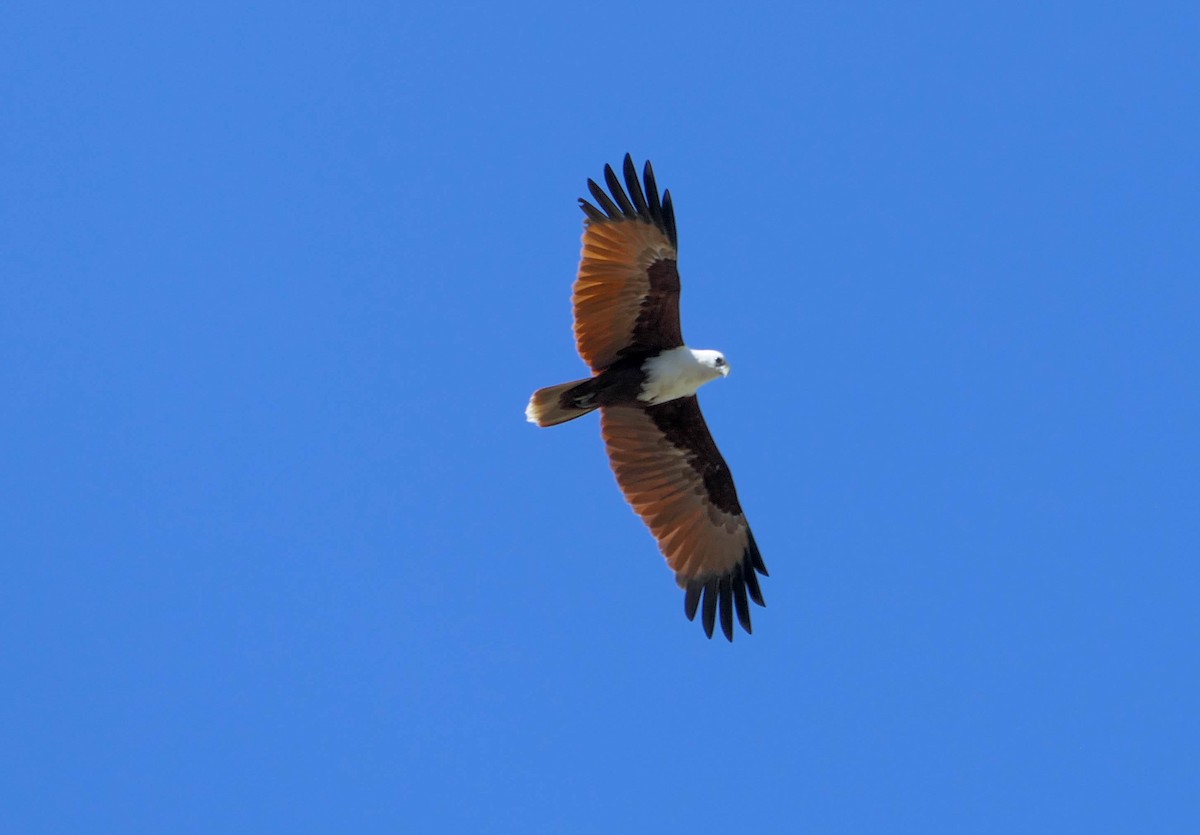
673,374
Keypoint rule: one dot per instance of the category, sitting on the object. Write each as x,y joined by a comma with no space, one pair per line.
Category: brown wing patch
626,295
673,475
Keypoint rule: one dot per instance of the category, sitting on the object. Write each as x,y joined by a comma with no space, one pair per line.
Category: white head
678,372
714,360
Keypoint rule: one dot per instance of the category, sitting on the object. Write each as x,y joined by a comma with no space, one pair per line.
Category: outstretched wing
626,296
674,476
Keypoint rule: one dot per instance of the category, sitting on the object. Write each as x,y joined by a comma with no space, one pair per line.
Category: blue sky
282,554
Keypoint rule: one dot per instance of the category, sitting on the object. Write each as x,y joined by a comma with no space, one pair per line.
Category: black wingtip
631,200
755,555
635,187
591,211
604,200
668,211
742,605
752,587
710,607
727,596
618,192
691,600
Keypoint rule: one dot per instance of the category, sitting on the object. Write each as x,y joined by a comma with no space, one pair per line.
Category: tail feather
558,404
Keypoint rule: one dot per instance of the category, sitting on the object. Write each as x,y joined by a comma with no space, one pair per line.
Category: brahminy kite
644,381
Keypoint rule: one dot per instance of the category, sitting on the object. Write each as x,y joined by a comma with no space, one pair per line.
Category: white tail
546,407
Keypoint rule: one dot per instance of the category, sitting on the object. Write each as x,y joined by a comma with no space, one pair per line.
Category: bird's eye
720,361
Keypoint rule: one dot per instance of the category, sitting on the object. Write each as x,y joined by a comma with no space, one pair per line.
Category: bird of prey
644,381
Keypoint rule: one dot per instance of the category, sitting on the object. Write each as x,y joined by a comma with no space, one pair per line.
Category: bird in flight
644,381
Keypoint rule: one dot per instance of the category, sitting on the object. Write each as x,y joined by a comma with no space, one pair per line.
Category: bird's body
644,381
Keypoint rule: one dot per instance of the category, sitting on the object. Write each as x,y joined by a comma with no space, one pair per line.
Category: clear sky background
281,554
